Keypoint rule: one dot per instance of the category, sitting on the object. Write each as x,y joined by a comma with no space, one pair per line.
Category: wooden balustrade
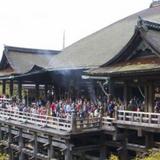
138,118
73,123
88,123
36,119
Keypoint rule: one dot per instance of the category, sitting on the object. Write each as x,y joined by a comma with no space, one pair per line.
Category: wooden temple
18,61
135,69
130,61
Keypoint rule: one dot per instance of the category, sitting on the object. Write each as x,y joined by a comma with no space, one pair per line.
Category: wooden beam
3,86
149,140
9,143
11,88
85,148
146,98
125,95
102,147
37,91
21,145
68,152
20,90
150,97
35,151
46,90
50,148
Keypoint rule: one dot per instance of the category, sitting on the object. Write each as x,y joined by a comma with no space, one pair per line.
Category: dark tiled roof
119,65
127,67
22,60
98,48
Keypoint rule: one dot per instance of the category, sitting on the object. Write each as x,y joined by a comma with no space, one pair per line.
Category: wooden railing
138,118
36,119
107,123
88,123
73,123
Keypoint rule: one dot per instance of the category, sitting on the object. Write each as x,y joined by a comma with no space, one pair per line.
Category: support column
102,153
20,90
102,148
50,148
73,122
3,86
11,88
45,90
149,140
35,147
111,87
10,152
67,152
150,97
1,148
21,145
146,98
125,96
123,153
37,91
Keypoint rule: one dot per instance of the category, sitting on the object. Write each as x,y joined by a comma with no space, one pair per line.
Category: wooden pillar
37,91
10,152
149,140
125,96
102,148
67,152
35,147
50,148
3,86
102,153
73,122
150,97
20,90
1,132
21,145
123,153
46,90
35,150
146,98
1,138
111,87
11,88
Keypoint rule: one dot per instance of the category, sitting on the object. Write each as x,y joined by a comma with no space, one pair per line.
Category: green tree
4,157
150,155
113,157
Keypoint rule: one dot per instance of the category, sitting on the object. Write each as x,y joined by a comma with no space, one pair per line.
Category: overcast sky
41,23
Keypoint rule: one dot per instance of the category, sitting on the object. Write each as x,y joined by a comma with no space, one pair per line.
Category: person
53,109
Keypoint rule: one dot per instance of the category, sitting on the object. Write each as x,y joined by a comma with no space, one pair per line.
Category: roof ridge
30,50
145,24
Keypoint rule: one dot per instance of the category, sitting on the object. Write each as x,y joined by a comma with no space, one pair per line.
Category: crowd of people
64,107
81,106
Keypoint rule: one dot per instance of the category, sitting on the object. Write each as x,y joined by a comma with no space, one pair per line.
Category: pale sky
41,23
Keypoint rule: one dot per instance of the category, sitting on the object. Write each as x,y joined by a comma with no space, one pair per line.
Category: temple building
135,70
64,70
125,57
17,62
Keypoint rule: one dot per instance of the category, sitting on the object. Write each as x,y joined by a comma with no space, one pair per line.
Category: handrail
37,119
139,118
71,123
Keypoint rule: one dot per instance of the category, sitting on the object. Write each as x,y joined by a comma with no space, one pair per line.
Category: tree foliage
150,155
4,157
113,157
